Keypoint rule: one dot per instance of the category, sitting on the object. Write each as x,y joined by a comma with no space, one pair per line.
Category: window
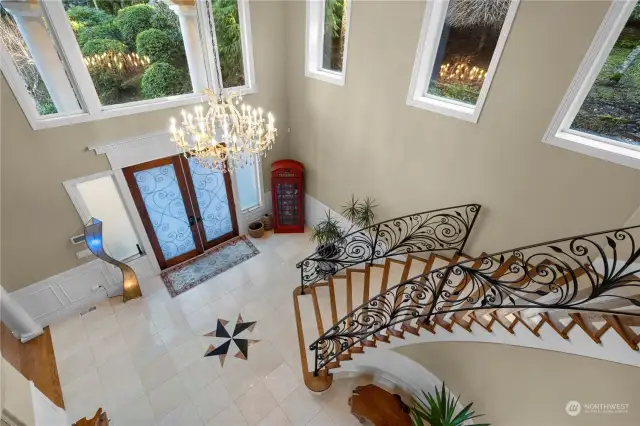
600,114
230,44
248,182
327,39
46,64
459,49
97,196
132,53
81,60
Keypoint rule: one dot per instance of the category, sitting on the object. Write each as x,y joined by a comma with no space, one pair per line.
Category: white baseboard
70,292
315,211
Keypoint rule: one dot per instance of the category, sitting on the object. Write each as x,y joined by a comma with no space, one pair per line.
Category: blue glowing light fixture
93,238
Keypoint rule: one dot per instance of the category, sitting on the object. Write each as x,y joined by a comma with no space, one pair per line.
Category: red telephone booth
287,192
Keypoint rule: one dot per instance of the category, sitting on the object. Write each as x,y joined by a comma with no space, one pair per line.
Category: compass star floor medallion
243,345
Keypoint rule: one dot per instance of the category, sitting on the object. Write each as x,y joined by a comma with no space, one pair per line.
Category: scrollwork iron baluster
435,230
598,272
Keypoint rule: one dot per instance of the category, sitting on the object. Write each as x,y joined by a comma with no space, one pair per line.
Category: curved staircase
587,284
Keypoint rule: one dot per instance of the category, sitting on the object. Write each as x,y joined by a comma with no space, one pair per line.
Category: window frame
559,132
430,34
257,169
314,44
92,109
71,187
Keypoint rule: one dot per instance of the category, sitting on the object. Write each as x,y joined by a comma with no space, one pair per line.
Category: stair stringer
612,348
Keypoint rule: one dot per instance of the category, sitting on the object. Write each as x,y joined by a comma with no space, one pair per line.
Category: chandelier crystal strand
230,135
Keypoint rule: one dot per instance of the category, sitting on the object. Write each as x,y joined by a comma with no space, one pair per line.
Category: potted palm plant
359,213
328,233
441,410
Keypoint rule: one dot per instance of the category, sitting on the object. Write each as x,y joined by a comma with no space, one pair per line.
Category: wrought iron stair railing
435,230
597,272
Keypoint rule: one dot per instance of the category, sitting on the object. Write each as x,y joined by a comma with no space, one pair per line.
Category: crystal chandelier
230,135
225,137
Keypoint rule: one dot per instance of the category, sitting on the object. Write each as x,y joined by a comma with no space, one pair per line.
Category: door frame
142,209
196,207
132,150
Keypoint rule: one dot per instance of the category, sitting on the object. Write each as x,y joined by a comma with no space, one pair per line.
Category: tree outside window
335,30
469,39
14,43
132,49
612,107
229,41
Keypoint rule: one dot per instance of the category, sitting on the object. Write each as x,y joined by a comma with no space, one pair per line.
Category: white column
188,17
30,20
16,318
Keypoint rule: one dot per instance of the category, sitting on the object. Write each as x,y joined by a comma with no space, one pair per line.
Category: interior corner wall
37,216
362,138
513,385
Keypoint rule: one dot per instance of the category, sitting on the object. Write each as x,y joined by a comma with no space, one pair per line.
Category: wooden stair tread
328,302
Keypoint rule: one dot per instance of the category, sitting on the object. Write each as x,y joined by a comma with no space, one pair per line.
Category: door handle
192,220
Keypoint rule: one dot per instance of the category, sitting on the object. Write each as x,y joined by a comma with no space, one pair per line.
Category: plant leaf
439,409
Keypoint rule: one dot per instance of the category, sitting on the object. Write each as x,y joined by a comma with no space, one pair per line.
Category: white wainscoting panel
315,211
71,292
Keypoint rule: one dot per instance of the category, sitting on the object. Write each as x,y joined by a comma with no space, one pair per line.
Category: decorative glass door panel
212,189
185,208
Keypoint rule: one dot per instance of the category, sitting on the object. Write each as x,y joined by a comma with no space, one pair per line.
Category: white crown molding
135,150
124,143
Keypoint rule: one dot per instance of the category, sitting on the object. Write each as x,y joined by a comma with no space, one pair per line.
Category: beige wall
37,216
512,385
362,138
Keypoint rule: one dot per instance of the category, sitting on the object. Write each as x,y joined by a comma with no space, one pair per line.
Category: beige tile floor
143,361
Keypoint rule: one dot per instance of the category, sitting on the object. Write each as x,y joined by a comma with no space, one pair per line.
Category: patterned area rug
181,278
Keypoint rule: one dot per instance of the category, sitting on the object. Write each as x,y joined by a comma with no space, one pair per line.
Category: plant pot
256,229
267,221
327,251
